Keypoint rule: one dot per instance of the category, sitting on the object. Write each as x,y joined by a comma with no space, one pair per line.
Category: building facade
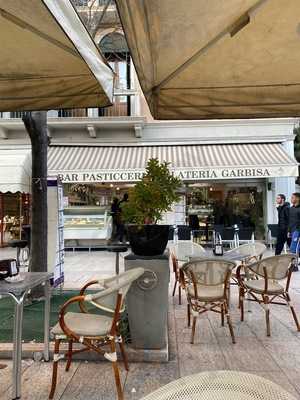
231,170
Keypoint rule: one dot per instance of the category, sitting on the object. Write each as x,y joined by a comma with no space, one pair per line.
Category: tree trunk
36,126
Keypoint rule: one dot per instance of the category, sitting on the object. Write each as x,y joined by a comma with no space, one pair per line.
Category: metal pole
20,216
17,348
47,289
117,262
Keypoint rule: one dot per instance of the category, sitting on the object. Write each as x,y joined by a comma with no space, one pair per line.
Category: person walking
121,226
294,224
115,213
283,209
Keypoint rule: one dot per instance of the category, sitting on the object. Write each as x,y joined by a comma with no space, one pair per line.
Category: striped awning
15,170
189,162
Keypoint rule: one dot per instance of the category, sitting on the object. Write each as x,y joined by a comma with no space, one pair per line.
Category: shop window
73,113
14,212
17,114
114,48
227,206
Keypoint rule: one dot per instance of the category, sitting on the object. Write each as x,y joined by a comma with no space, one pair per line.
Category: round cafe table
221,385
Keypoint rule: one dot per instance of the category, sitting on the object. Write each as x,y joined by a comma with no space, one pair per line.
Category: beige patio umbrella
201,59
48,60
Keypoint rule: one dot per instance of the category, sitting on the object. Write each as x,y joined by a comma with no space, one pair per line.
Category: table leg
17,349
18,256
117,262
47,320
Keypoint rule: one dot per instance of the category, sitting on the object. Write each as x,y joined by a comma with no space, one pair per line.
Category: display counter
87,225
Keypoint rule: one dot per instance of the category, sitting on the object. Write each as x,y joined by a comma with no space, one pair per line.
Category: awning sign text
183,174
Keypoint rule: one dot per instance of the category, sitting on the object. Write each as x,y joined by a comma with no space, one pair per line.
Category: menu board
55,231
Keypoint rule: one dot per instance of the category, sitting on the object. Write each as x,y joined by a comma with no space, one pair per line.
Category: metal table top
186,250
31,280
221,385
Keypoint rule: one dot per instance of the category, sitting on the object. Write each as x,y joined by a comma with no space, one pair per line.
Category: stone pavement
276,358
81,266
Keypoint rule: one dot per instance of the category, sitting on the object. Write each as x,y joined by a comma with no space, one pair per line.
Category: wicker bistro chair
176,277
206,284
251,252
265,289
248,254
94,331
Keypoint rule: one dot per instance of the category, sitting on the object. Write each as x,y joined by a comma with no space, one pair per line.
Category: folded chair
94,331
206,284
266,289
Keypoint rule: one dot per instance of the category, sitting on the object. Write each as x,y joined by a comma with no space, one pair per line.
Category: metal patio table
18,291
186,250
221,385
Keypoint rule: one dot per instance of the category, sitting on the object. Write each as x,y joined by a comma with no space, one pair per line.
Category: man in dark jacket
294,219
283,209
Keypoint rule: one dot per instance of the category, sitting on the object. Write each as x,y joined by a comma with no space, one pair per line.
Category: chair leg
241,302
189,314
193,330
116,372
267,311
222,314
55,366
179,294
293,311
124,355
228,295
174,289
229,323
69,355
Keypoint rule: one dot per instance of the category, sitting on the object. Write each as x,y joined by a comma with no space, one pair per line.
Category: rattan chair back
275,267
106,299
208,272
250,250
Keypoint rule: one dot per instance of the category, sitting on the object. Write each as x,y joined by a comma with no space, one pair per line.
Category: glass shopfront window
226,205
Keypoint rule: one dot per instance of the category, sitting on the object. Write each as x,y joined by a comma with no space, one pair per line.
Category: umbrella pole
20,216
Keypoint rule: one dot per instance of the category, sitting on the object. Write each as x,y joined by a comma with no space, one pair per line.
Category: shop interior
226,204
204,205
14,213
87,212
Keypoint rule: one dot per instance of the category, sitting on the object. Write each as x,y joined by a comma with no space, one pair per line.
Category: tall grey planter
147,301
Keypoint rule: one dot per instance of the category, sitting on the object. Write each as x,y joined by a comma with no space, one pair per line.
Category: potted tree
148,200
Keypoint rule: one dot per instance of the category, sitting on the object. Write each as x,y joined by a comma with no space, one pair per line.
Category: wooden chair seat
206,293
82,324
258,286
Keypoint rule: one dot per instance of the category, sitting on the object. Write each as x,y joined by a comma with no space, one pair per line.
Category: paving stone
93,381
36,381
200,357
144,378
247,354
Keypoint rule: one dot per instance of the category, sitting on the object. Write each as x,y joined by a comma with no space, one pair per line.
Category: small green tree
152,196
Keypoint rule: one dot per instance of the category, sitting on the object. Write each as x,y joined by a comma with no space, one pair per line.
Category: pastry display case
87,224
